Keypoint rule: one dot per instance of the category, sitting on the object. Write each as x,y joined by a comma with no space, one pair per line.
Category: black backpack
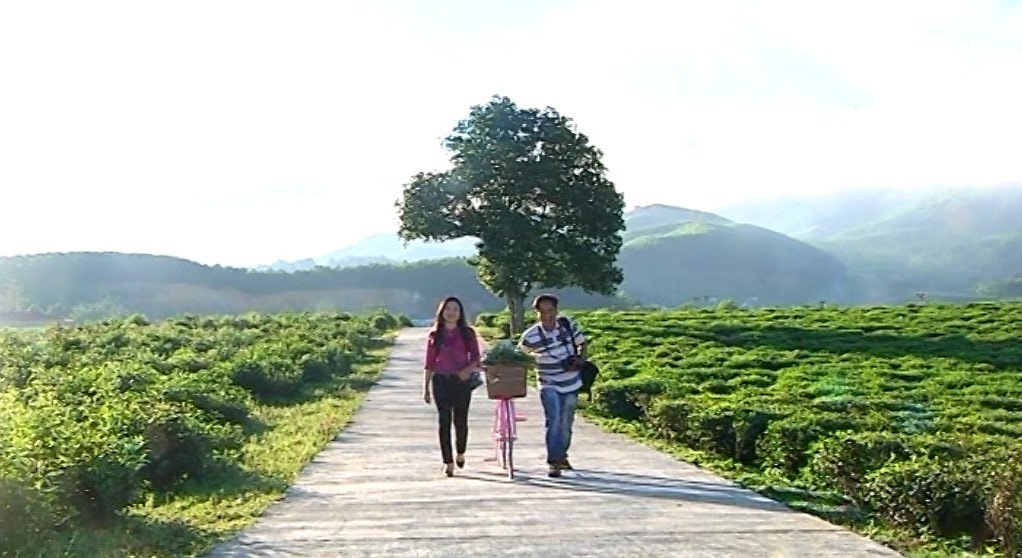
587,370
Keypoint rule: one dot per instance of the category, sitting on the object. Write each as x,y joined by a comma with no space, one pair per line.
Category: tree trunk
516,306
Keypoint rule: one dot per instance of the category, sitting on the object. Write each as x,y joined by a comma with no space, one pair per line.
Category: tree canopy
534,192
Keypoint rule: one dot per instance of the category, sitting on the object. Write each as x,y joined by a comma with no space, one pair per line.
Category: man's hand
464,375
426,396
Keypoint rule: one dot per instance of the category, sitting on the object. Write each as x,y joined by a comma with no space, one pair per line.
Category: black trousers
452,397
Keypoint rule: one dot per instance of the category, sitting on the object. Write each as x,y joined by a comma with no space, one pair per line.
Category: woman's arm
431,353
474,352
427,379
427,374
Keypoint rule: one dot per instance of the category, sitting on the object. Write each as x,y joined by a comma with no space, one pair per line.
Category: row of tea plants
97,418
907,417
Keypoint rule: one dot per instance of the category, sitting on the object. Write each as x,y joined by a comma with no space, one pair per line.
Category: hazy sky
244,132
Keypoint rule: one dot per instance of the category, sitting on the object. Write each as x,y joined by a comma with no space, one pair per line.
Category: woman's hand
465,374
426,396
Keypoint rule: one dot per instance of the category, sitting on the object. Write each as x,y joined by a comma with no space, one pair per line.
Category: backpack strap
566,324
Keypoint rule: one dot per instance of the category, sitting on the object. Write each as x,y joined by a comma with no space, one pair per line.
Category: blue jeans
559,410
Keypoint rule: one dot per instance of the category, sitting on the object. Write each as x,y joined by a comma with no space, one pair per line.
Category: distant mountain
944,242
827,215
382,249
45,288
670,256
973,213
702,257
863,246
389,248
394,249
281,265
643,218
945,245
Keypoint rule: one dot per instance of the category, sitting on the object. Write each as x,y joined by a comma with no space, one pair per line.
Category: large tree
534,192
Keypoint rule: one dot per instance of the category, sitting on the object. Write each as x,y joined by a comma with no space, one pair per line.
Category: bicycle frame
504,434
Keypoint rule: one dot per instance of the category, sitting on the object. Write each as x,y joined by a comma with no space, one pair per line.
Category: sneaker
554,471
562,464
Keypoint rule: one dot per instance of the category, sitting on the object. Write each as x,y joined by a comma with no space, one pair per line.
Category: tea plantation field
126,438
904,423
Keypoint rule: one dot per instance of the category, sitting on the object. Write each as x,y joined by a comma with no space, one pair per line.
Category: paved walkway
378,490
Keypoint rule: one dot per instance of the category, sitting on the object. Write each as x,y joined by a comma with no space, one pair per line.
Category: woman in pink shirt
452,353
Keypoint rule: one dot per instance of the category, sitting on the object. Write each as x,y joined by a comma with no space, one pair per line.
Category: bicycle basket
504,381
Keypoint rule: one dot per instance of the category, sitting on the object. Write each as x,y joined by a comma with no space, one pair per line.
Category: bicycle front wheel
509,442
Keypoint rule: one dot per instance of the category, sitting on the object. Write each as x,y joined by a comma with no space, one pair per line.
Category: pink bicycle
505,434
505,383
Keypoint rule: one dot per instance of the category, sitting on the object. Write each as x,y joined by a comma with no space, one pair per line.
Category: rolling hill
852,249
945,242
702,260
670,256
380,249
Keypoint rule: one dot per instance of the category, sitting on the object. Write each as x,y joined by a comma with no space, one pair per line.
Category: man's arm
580,339
526,345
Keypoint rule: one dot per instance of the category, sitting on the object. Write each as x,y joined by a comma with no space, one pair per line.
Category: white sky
245,132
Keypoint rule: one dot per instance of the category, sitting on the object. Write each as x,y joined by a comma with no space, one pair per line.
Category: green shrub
498,323
669,418
727,428
92,418
1004,501
843,461
266,374
898,381
99,486
339,359
486,319
23,517
315,369
384,322
785,443
711,427
176,451
82,453
211,393
928,495
727,304
750,425
628,398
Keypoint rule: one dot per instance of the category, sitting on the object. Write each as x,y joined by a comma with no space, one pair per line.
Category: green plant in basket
506,352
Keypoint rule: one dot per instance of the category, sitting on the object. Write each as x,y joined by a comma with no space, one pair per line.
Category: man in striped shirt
559,379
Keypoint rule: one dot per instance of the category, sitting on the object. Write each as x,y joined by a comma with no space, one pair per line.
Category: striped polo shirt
551,349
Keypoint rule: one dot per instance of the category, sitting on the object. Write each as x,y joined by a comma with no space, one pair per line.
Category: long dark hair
438,324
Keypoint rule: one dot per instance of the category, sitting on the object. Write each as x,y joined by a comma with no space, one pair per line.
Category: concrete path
378,490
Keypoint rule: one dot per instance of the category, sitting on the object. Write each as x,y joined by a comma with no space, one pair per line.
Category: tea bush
1004,501
92,418
928,495
882,405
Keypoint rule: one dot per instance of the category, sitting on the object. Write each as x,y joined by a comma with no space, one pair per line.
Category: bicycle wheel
500,434
509,444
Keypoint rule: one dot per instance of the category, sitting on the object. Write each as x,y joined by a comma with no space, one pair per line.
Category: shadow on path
646,486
